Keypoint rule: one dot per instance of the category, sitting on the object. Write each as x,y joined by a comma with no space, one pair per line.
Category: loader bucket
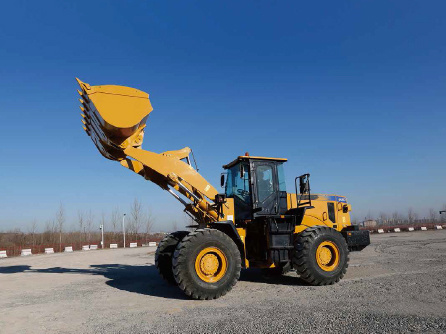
114,117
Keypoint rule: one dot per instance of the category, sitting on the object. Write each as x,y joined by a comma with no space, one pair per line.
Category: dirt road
398,284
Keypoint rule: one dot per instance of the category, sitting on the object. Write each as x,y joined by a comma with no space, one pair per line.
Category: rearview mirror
222,180
303,185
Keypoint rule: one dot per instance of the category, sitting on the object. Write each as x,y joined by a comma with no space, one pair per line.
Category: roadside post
123,227
101,227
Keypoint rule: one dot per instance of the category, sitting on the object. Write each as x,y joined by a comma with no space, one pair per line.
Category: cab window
236,185
264,178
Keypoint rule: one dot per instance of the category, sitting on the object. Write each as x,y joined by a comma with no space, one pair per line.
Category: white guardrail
68,249
3,254
49,250
26,252
86,247
423,228
152,244
133,245
380,230
113,245
411,229
438,227
93,247
397,229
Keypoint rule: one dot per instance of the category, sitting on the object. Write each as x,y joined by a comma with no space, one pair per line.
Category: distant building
369,223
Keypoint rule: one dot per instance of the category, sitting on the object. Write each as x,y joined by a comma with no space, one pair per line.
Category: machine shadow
259,276
141,279
145,280
14,269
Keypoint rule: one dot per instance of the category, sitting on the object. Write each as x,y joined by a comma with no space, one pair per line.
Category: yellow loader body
255,223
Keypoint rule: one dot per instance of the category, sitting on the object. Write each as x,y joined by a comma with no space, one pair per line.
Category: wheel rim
211,264
327,256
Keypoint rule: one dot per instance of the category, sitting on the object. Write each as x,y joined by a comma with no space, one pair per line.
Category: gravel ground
398,284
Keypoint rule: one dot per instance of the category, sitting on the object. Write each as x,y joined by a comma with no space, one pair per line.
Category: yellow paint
242,233
115,118
318,216
327,256
211,264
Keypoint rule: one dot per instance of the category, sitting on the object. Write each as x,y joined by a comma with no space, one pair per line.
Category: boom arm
115,118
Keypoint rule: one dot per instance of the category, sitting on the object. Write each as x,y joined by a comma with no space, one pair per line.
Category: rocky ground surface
397,284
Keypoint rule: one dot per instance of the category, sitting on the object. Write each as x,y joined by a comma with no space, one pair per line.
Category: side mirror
303,186
222,180
347,208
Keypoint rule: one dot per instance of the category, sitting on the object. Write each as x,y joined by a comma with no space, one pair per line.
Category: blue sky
351,91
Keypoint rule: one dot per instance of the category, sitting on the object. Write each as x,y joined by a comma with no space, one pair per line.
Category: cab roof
248,157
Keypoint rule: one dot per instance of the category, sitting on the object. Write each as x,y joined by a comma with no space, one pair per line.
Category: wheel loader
255,223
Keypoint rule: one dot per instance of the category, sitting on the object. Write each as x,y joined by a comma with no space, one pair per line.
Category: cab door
265,188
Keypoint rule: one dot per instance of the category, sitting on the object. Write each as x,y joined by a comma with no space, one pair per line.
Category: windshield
236,186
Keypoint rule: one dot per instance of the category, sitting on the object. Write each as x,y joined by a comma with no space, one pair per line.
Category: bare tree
410,215
89,224
81,222
32,230
383,219
115,219
369,216
49,233
396,218
60,219
137,217
148,223
432,215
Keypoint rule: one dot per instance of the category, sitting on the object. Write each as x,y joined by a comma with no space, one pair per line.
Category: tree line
407,218
85,230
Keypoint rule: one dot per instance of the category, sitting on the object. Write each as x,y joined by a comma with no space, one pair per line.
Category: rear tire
206,264
164,253
320,255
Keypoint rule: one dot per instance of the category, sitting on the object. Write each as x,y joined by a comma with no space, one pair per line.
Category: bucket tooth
84,104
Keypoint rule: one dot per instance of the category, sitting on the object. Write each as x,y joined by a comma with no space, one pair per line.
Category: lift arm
115,118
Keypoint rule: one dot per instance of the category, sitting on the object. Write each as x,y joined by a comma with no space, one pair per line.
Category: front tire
320,255
164,253
206,264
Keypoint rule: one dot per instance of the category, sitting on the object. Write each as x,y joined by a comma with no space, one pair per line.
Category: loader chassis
255,223
270,217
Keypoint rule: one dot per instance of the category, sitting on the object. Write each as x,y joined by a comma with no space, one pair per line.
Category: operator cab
257,185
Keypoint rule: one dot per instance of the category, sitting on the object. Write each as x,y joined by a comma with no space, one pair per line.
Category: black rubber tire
304,257
183,264
164,254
